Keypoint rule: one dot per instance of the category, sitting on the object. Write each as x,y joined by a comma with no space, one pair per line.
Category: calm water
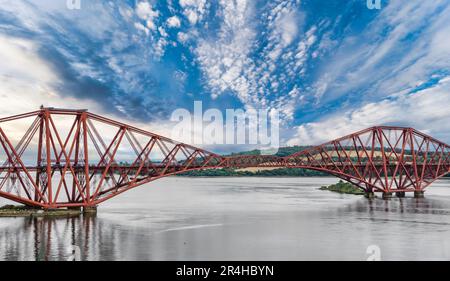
239,219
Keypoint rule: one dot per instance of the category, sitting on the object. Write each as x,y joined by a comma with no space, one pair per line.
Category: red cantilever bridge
58,158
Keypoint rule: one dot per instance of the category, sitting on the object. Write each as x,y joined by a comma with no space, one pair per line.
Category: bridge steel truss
74,158
380,159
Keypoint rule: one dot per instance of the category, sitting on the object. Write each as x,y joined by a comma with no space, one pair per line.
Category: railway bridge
74,158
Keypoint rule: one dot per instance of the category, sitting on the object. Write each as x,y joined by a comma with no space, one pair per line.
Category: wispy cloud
95,54
424,110
194,10
404,44
393,72
256,58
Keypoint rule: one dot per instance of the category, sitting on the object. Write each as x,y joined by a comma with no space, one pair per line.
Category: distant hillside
280,172
282,151
273,172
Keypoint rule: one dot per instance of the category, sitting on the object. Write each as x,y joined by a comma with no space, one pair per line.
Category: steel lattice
73,158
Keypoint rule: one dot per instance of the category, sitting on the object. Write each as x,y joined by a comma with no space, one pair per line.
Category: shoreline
24,211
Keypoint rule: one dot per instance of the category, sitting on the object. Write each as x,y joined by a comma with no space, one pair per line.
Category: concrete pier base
60,212
387,195
369,195
90,210
419,194
400,194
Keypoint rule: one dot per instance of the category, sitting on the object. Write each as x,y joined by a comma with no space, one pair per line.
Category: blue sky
330,67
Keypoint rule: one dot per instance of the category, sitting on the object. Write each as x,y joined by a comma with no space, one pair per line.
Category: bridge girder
72,158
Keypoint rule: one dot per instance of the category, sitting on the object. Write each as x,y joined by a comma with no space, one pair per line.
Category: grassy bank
344,188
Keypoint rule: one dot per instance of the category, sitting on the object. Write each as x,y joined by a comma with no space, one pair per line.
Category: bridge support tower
419,194
369,195
90,210
400,194
387,195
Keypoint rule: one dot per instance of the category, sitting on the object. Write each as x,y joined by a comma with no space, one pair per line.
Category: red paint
85,169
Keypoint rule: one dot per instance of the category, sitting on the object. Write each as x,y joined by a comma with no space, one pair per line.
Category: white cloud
257,79
194,10
26,82
192,16
173,22
145,12
223,60
182,37
426,111
160,47
20,63
139,26
162,31
150,25
286,26
377,64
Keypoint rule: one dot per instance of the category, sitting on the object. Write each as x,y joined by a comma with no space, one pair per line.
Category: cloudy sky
330,67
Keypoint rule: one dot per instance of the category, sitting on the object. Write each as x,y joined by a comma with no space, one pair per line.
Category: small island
344,188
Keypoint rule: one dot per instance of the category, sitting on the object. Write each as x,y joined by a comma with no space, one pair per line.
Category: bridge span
62,158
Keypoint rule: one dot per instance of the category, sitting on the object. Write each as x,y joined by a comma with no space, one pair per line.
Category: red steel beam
393,159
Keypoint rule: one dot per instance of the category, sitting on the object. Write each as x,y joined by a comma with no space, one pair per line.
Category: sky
330,67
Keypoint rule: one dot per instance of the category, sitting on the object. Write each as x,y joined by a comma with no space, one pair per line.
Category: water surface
252,218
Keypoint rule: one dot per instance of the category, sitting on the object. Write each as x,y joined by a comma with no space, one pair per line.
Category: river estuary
180,218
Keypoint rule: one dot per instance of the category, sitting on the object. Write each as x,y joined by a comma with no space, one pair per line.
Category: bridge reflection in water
97,238
44,239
